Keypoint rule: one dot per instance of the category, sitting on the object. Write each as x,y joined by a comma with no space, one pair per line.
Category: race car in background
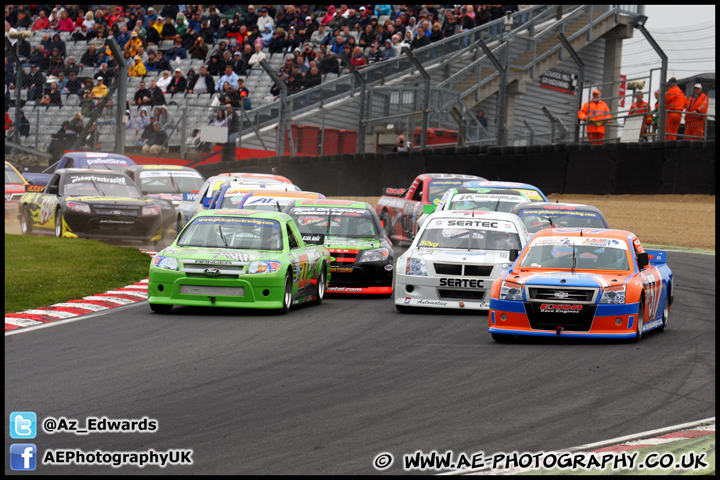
578,282
455,258
265,199
257,178
539,215
400,208
363,255
92,160
169,182
101,204
213,191
533,193
14,190
240,259
480,199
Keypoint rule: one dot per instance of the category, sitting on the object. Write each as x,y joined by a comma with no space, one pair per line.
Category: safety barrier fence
670,167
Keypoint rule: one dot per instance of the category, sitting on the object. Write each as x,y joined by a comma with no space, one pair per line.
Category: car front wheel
287,295
321,285
25,223
640,321
58,224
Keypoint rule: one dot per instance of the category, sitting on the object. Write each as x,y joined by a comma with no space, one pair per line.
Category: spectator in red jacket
65,24
358,60
42,22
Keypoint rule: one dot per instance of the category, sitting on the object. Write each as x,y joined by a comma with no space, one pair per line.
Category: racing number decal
653,294
47,209
303,276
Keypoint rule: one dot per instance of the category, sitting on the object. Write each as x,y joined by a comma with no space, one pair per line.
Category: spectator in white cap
100,90
259,55
697,107
265,19
305,31
178,84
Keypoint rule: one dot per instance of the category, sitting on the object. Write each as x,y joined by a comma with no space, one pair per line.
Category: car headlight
415,266
167,263
79,207
265,266
613,295
150,210
510,291
376,255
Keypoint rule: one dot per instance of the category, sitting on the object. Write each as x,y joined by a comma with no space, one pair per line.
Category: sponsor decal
122,222
407,300
34,188
388,267
559,308
212,271
105,161
340,270
472,223
232,220
344,289
311,238
117,179
461,282
432,302
427,243
562,295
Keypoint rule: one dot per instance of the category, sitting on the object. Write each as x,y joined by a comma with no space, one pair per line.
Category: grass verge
42,271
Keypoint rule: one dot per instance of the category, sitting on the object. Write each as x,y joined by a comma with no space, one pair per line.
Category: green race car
363,255
241,259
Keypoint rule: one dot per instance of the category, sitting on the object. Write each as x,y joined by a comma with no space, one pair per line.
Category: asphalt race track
325,389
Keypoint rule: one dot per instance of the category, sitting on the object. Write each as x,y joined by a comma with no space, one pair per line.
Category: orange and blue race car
575,282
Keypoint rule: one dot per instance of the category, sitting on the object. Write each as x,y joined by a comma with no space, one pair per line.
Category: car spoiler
395,192
657,257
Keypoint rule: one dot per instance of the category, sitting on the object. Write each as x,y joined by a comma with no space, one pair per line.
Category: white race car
455,258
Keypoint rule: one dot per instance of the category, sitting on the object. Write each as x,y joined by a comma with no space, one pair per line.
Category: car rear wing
395,192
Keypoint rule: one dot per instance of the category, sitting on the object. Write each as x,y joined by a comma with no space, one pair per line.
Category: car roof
494,191
556,206
232,212
479,214
12,167
586,232
91,170
256,175
98,156
161,167
334,203
266,192
451,176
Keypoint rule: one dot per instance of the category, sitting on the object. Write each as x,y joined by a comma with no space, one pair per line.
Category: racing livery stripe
511,306
538,333
606,310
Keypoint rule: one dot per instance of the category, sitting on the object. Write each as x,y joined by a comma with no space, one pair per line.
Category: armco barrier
644,168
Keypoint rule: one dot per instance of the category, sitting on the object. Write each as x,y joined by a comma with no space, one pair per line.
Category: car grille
457,269
117,210
207,275
343,256
561,294
447,294
577,316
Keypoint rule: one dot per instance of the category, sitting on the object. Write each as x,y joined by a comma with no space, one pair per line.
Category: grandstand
461,75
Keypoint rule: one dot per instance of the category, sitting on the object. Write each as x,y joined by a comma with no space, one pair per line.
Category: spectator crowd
229,40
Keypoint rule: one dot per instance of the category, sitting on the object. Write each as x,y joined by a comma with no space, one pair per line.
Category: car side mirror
643,260
206,202
429,209
514,252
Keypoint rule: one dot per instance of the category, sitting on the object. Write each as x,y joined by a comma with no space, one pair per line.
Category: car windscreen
99,184
169,181
536,219
438,187
470,234
338,222
232,232
485,201
268,204
585,253
11,176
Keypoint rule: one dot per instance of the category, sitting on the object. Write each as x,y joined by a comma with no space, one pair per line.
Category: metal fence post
581,80
426,95
363,99
639,24
283,120
502,88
